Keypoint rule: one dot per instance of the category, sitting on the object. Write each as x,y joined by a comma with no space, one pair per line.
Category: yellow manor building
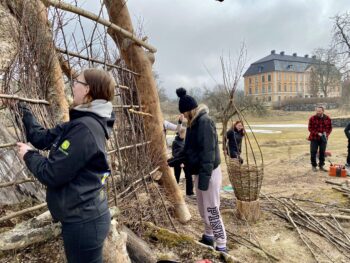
277,77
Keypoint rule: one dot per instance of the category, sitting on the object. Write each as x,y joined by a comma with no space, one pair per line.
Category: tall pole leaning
137,60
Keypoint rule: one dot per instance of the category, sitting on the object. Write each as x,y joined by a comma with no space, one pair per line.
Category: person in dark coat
320,127
347,134
177,149
234,140
202,159
76,168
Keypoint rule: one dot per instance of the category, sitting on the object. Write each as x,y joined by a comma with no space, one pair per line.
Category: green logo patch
65,145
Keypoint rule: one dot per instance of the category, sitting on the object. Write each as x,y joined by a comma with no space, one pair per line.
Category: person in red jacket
320,127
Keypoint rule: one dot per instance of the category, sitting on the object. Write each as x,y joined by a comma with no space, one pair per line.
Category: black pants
188,176
83,242
348,158
321,147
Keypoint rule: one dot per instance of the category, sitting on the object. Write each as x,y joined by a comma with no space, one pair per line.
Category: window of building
279,98
279,87
256,90
261,68
296,77
269,98
290,77
256,79
301,77
250,90
263,78
285,76
285,87
270,88
290,87
263,89
269,77
250,80
296,87
279,76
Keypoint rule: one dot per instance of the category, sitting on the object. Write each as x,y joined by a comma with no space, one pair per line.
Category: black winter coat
347,131
202,149
76,168
234,138
178,146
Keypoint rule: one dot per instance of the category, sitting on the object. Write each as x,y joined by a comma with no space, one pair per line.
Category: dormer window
290,67
261,68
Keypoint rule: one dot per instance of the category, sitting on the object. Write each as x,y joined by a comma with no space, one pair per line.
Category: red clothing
319,125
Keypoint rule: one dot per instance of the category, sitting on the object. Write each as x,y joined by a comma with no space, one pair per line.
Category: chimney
314,57
273,52
306,56
282,53
294,54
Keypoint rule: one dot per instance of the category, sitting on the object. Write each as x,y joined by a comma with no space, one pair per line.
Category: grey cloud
192,33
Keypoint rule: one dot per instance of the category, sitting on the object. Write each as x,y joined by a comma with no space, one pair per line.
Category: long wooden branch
102,21
73,54
125,106
16,182
140,113
22,212
16,97
8,145
129,147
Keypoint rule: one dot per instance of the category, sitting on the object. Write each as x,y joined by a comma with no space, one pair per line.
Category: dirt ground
287,174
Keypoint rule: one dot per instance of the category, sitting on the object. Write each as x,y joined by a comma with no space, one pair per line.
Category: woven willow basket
245,179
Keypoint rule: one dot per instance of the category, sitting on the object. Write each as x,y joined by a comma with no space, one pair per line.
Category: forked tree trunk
137,60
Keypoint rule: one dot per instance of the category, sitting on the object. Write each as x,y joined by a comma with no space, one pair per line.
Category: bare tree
341,32
232,71
325,76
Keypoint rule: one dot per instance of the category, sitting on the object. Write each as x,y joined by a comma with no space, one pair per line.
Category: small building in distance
278,77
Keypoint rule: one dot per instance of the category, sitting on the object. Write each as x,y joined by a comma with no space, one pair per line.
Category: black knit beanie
186,102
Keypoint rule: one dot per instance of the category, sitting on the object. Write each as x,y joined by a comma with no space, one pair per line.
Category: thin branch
102,21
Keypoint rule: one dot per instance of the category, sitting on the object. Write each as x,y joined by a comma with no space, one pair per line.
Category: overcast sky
191,35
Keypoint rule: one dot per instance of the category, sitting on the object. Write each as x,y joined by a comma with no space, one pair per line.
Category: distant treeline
307,104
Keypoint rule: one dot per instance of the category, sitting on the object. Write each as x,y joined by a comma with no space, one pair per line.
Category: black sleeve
76,150
347,131
206,140
40,137
229,134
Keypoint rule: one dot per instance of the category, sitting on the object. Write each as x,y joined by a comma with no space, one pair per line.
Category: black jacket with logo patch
76,168
201,148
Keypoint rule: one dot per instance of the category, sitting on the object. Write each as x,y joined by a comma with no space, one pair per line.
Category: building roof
280,62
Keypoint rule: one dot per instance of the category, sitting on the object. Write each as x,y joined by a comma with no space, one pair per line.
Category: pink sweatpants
208,205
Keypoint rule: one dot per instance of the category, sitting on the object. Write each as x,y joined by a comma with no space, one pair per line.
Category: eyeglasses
73,81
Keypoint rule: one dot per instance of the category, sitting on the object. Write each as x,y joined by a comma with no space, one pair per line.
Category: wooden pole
137,61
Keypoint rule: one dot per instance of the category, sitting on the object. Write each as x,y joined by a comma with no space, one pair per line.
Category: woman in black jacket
234,140
202,159
76,168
